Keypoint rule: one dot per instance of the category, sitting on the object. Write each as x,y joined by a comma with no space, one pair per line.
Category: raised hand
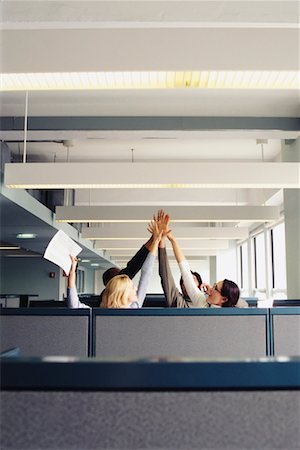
155,230
72,273
74,261
163,221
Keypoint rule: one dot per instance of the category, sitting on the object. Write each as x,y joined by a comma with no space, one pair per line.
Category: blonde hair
117,292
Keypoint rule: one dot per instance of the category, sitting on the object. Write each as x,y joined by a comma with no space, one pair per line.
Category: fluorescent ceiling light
196,214
95,265
150,80
23,256
204,175
85,260
8,247
26,236
133,232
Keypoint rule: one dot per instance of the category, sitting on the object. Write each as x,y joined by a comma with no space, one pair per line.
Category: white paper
59,250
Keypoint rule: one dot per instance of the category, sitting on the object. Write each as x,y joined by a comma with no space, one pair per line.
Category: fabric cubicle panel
45,332
285,327
150,420
140,404
181,333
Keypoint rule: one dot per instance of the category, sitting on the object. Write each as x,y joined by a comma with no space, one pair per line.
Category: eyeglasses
215,287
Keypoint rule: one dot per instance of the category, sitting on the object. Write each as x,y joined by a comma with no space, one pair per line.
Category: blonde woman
120,291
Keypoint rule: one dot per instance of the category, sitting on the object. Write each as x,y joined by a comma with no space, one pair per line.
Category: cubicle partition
149,404
46,332
207,333
153,332
285,331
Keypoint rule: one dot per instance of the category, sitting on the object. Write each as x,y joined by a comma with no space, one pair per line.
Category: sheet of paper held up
59,250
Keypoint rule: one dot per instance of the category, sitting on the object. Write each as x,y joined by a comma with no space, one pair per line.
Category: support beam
196,214
220,244
131,232
137,124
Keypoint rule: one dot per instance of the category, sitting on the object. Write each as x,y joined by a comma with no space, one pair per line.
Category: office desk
24,298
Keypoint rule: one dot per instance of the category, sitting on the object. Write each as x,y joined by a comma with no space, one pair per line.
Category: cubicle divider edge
52,312
171,312
280,311
92,314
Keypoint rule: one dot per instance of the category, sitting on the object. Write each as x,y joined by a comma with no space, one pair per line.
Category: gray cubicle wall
46,332
94,404
285,329
207,333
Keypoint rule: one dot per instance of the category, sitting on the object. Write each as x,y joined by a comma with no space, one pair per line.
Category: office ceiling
84,36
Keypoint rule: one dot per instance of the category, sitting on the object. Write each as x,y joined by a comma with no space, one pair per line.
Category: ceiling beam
182,124
196,244
197,214
149,49
173,197
127,254
158,14
135,231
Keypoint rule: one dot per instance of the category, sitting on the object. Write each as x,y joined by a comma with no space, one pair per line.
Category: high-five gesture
155,228
163,221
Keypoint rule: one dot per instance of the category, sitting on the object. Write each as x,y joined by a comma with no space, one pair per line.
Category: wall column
212,269
291,198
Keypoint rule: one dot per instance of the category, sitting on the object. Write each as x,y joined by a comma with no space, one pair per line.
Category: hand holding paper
59,250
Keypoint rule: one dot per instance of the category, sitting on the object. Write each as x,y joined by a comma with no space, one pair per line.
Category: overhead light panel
26,236
139,175
9,247
150,80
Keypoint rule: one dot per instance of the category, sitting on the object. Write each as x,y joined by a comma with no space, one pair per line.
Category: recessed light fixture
9,247
255,79
26,236
153,175
85,260
95,265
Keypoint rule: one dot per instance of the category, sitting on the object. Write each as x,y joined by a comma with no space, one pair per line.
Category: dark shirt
133,266
174,298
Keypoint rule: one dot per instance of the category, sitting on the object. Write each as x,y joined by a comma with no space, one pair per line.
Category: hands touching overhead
155,227
163,221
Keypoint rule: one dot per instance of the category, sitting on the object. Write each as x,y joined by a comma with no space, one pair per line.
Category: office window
278,257
244,266
80,281
259,264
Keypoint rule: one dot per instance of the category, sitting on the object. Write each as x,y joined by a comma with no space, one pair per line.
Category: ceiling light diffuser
9,247
254,79
139,175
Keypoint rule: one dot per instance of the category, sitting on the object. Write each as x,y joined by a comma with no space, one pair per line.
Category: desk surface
18,295
154,374
24,298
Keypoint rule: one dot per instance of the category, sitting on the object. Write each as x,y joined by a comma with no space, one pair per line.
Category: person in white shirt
120,291
224,293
